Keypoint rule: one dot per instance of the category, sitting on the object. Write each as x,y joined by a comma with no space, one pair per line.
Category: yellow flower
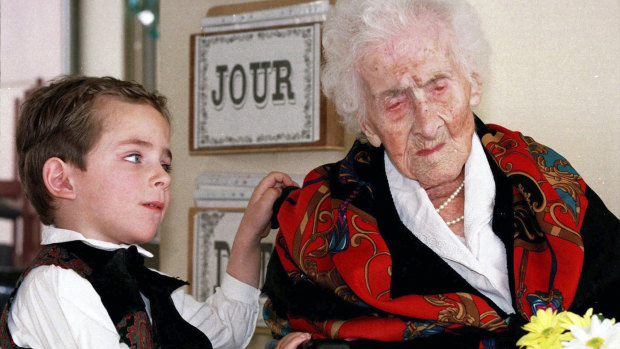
567,319
545,331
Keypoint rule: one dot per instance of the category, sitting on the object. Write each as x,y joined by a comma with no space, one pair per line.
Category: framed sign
258,89
212,231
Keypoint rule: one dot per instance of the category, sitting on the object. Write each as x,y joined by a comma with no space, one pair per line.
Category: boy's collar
54,235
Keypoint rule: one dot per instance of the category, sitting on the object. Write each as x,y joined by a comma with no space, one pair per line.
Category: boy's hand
293,340
260,208
244,261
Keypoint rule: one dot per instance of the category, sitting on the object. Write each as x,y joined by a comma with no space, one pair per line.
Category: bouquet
549,329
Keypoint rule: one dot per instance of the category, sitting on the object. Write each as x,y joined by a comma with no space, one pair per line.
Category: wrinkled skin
419,103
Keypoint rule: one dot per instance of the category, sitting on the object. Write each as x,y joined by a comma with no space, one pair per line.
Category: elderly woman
435,228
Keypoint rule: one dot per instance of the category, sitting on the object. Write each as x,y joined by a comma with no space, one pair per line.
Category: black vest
119,277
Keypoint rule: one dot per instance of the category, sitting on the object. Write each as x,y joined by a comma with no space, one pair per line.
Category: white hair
354,26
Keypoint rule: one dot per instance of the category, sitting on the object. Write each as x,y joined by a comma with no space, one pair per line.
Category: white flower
600,335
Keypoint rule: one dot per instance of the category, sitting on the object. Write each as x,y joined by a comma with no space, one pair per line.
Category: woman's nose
427,121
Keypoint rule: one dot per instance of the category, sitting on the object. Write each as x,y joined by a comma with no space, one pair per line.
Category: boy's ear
57,178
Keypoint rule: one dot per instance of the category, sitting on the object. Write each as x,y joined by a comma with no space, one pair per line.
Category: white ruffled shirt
57,308
480,257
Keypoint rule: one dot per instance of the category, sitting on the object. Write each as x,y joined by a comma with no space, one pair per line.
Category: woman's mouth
429,151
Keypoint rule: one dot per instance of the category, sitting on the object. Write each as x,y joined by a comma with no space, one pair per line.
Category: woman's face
419,105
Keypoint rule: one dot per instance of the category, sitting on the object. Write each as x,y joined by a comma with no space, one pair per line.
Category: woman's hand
293,340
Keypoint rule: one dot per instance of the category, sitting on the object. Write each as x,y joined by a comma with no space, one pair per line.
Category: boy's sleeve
57,308
228,317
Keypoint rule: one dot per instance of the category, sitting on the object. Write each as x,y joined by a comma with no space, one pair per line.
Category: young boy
94,160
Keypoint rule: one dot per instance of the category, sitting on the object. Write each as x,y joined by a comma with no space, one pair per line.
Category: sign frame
310,123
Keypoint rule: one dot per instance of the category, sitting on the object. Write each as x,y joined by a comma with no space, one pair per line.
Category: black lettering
254,67
231,88
283,74
217,99
220,246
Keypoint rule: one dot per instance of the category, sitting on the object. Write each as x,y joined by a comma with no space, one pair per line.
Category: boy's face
124,193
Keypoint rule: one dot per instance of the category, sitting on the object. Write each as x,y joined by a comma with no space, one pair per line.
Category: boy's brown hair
59,120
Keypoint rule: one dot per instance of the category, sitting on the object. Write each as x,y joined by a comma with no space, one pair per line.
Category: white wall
101,38
30,48
556,77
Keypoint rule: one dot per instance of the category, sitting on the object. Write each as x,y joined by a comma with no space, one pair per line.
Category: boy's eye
135,158
167,167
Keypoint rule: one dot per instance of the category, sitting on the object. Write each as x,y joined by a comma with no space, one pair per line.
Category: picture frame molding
329,130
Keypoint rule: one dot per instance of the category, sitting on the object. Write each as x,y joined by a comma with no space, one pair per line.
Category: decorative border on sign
204,42
206,221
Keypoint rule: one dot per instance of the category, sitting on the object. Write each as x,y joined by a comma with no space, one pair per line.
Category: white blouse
479,257
57,308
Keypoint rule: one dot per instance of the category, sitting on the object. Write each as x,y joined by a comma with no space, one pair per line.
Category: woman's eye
393,106
167,167
439,87
135,158
394,103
